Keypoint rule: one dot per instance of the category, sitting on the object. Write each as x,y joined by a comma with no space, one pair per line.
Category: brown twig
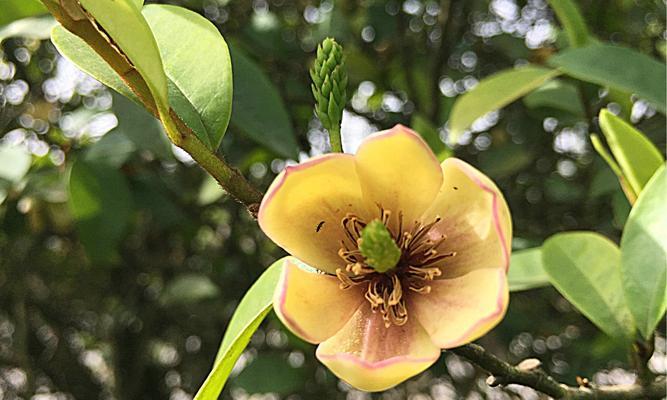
530,374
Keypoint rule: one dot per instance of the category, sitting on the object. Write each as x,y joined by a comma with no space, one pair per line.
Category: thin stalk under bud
330,89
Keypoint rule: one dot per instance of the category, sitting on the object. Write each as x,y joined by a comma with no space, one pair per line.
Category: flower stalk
330,89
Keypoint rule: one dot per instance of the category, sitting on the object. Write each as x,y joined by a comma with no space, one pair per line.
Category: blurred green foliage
121,263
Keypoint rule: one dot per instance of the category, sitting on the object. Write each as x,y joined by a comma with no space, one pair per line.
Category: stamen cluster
417,266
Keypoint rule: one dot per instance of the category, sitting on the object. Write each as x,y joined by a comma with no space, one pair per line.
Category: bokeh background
121,262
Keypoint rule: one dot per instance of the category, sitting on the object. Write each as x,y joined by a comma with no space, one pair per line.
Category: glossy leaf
101,204
201,70
15,162
572,21
617,67
38,28
526,270
258,110
636,156
644,255
494,92
77,50
189,289
556,94
123,22
249,314
271,373
585,267
13,10
430,134
141,128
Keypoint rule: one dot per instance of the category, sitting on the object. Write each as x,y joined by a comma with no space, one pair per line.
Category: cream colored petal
398,171
303,208
475,220
462,309
312,305
372,357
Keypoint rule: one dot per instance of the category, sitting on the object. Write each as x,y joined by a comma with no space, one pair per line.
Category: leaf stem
231,180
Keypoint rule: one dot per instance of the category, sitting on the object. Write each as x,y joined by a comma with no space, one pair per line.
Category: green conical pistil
329,88
378,247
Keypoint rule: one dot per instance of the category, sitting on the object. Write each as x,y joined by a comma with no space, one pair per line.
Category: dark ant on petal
319,226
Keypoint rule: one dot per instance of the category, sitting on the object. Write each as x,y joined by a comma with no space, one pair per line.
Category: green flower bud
378,247
329,88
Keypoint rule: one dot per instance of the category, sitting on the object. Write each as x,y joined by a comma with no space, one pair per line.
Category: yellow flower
449,286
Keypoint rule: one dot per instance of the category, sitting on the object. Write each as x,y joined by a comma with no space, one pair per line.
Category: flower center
416,266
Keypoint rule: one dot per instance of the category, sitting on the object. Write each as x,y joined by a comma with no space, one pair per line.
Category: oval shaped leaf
196,59
494,92
189,289
644,255
573,22
526,270
15,163
123,22
101,203
17,9
38,28
637,157
258,110
617,67
559,95
78,51
250,313
585,267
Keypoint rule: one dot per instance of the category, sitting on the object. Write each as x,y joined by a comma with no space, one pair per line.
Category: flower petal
398,171
303,208
460,310
475,220
311,304
372,357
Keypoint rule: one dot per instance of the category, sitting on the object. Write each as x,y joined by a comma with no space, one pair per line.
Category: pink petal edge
500,309
291,169
293,325
496,217
397,130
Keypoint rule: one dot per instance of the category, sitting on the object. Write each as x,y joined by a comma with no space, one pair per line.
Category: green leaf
123,22
38,28
430,134
585,267
141,128
101,204
258,110
13,10
271,373
189,289
77,50
252,309
113,150
209,191
617,67
494,92
573,22
15,163
556,94
644,255
637,157
526,270
196,59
